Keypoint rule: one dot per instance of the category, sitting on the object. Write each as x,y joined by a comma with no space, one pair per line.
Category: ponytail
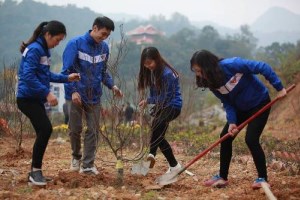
53,27
37,32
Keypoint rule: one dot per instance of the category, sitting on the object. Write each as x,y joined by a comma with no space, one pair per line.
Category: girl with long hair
234,82
163,81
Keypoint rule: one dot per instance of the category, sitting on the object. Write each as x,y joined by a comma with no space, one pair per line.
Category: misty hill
223,30
18,20
277,19
277,24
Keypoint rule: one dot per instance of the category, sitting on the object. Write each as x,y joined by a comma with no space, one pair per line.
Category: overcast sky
230,13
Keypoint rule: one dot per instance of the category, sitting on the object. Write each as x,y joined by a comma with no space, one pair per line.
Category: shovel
173,177
142,167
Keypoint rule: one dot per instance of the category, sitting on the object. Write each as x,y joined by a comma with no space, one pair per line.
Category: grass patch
150,195
25,190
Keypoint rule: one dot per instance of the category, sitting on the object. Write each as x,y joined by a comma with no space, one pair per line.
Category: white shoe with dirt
89,170
175,169
170,176
75,165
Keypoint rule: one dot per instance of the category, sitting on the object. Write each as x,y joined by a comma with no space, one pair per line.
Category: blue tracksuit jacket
170,94
34,75
242,89
83,55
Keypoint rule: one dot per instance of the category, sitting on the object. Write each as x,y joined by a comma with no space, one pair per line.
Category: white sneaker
89,170
175,169
75,165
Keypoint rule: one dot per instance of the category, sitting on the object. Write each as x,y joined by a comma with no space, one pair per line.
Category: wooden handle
267,191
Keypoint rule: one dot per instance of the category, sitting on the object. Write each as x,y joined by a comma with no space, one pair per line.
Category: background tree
8,105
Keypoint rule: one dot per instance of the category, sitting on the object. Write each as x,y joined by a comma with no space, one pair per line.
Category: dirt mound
22,154
74,179
284,120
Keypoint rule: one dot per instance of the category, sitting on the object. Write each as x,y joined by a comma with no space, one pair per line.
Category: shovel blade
141,168
167,179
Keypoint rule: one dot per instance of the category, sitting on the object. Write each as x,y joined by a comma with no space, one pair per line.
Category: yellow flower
137,126
103,128
61,128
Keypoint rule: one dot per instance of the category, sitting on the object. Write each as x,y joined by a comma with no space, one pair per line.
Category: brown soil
284,121
284,124
72,185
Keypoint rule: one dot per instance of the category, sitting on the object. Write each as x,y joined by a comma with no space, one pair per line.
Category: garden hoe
173,177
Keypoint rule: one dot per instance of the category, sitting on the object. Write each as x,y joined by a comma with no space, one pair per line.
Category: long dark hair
145,73
212,75
53,27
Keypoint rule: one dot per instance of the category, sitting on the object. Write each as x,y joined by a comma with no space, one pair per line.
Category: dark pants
91,136
159,127
253,133
36,112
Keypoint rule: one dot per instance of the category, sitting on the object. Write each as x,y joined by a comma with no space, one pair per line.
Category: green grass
25,190
150,195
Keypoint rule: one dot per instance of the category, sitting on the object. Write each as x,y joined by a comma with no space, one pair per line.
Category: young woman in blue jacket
234,82
163,81
34,79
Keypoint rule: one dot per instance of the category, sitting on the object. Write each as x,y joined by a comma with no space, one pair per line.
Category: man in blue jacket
87,55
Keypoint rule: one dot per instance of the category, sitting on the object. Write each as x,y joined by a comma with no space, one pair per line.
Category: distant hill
277,19
221,29
18,20
265,39
277,24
